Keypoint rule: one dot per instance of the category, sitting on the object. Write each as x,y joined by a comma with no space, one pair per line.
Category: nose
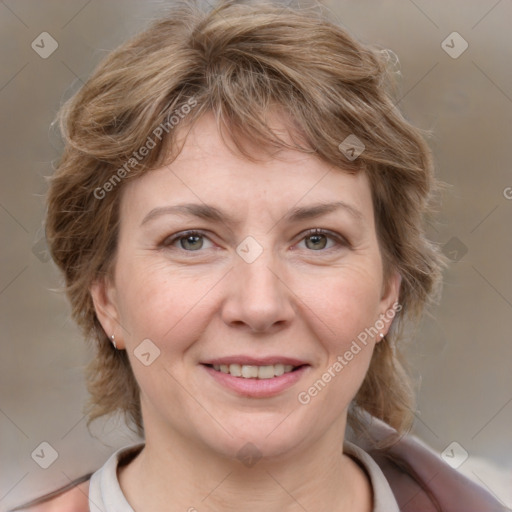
258,297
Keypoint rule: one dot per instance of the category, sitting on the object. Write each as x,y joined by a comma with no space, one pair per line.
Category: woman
238,215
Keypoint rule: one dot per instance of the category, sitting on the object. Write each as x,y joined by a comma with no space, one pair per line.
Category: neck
172,473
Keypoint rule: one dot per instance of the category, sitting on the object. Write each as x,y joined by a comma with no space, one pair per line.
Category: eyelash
170,240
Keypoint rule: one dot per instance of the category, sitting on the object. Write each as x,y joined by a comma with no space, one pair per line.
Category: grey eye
318,241
191,242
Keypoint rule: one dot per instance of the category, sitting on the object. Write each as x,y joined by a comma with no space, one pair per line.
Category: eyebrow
211,213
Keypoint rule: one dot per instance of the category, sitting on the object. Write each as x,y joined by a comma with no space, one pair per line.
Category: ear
390,295
104,298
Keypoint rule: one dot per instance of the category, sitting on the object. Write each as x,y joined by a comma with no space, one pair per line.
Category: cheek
152,303
349,301
350,339
167,311
349,309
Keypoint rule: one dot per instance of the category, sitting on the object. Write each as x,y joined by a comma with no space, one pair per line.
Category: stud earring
381,335
114,341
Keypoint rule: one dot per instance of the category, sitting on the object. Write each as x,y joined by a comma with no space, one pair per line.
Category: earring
114,341
381,335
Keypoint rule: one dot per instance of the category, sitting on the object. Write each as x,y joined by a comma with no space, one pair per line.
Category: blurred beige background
463,354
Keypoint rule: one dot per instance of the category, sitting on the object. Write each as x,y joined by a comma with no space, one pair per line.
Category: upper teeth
254,372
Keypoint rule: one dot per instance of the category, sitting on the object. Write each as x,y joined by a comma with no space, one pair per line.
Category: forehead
207,136
209,170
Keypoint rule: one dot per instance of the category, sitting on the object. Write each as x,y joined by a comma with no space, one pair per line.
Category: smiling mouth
255,372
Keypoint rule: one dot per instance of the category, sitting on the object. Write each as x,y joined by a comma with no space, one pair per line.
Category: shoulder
75,498
75,495
423,482
411,493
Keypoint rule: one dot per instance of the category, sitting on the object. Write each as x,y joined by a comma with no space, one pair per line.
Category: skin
303,297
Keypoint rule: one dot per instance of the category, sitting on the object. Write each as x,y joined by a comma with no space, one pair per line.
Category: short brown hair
238,60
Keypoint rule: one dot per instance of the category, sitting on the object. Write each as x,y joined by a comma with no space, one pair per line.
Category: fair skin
196,299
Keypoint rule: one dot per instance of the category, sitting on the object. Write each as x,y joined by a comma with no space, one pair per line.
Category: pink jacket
421,480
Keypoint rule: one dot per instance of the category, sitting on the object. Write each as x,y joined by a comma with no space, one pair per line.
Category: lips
256,376
257,387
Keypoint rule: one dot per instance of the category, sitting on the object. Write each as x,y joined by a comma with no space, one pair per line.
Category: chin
256,439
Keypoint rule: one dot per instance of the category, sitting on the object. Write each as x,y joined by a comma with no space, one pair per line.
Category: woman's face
250,285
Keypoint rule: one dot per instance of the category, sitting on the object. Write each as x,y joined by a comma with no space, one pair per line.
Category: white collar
105,494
